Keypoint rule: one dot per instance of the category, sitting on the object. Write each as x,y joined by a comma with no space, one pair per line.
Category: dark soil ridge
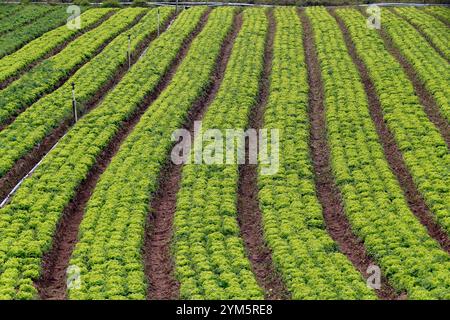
24,165
69,74
26,23
158,261
52,52
392,153
337,223
249,215
425,98
52,283
437,17
419,30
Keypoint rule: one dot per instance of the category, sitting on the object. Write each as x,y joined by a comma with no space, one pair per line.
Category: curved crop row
38,121
28,222
112,232
424,150
15,39
38,48
441,12
307,257
436,31
45,76
7,9
431,68
22,16
210,257
373,199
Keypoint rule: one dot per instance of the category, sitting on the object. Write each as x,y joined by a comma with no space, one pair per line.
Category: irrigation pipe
8,197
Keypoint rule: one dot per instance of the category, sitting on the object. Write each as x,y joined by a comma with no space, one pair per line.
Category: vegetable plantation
357,120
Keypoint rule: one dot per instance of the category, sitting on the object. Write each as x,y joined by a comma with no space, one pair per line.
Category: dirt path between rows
425,98
52,283
437,17
249,213
419,30
69,74
24,165
392,153
337,223
53,51
158,261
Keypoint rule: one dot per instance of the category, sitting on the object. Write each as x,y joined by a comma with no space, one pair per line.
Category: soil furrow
419,30
249,213
425,98
52,283
54,51
437,17
70,73
25,23
337,223
158,261
27,162
392,153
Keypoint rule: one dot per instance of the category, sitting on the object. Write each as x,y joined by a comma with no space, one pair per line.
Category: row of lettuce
7,9
46,75
17,61
210,257
14,39
442,13
22,16
42,117
136,167
373,201
308,259
29,221
433,29
432,69
423,148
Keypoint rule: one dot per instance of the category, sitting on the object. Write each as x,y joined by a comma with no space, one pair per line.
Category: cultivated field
350,199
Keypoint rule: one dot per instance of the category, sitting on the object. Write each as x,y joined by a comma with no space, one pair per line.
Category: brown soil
52,284
158,261
27,162
426,99
328,193
25,23
53,52
249,213
67,76
419,30
438,18
393,155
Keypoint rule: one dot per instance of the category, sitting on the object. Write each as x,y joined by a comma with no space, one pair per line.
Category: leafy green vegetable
424,150
22,16
35,123
210,258
302,250
36,49
435,30
117,219
13,40
28,222
373,199
43,78
441,12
